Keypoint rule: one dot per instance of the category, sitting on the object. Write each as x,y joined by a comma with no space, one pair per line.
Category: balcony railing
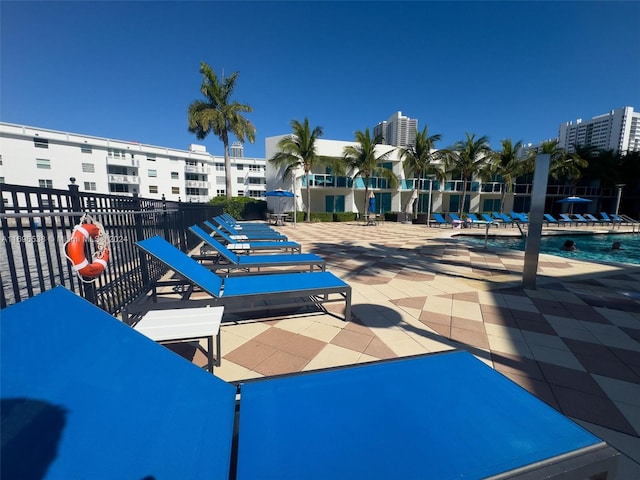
197,184
126,179
122,161
197,198
196,169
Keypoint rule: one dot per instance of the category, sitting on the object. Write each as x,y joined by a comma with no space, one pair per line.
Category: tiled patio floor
574,341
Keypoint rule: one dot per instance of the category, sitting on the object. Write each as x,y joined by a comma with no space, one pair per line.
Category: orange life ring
75,251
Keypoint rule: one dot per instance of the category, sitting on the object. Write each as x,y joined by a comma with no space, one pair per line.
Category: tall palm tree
364,162
569,166
468,157
509,165
299,150
220,115
420,158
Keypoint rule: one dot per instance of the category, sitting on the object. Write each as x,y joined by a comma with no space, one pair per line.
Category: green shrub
344,216
242,208
321,217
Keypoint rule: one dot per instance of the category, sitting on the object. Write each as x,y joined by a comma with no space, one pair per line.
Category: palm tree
299,149
365,163
468,157
509,165
420,158
569,166
220,115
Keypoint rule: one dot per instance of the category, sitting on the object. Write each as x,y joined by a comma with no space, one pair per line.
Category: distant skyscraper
237,150
617,130
398,130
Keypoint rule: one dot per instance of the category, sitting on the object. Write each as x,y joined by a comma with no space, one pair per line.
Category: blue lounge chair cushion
259,245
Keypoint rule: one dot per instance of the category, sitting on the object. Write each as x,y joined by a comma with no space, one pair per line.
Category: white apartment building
618,130
398,130
40,157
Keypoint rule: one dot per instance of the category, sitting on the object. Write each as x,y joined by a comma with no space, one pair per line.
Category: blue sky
129,70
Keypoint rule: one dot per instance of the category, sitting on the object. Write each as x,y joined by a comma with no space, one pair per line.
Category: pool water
596,248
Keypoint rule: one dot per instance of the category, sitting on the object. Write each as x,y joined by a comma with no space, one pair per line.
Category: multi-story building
34,156
398,130
618,130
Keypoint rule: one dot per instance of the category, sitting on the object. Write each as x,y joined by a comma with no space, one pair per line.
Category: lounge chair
227,260
504,218
250,235
292,247
607,218
440,220
593,218
519,217
617,218
456,220
245,225
567,219
550,219
242,293
581,219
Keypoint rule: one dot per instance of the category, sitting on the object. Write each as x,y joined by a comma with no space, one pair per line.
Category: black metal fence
36,223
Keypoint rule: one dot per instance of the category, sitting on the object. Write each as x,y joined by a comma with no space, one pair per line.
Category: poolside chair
250,235
593,218
519,217
456,221
231,244
439,219
581,219
488,218
229,261
245,225
550,219
607,218
504,218
617,218
567,219
253,293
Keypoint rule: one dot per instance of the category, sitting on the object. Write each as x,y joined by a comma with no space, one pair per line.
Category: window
153,189
85,148
46,183
44,163
175,176
240,193
1,179
90,186
240,180
219,167
220,193
113,153
220,180
152,173
41,142
175,190
88,168
151,157
255,168
240,166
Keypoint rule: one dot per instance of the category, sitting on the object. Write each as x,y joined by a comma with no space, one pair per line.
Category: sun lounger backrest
182,264
226,237
487,217
550,218
209,240
439,218
605,216
455,217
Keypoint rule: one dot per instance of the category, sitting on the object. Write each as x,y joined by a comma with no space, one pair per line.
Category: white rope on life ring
75,249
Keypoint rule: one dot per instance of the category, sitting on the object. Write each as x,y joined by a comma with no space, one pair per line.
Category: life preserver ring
75,251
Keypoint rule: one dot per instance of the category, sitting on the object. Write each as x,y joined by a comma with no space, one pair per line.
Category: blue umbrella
372,204
573,200
278,193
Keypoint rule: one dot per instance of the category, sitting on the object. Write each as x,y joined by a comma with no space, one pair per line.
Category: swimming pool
596,248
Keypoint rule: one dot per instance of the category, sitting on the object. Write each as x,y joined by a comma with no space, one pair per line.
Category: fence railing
36,223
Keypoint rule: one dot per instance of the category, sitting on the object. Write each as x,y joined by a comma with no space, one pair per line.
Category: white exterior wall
148,170
616,130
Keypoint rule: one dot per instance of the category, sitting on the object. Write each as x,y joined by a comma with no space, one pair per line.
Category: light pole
619,186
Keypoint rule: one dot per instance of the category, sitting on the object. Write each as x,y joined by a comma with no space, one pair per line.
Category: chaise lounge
250,234
241,293
292,247
229,261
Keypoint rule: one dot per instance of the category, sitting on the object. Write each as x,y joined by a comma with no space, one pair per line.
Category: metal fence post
88,289
137,218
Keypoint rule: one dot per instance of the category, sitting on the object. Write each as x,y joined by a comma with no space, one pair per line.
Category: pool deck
573,341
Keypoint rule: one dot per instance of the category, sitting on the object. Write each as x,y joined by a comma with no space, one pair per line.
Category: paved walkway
574,341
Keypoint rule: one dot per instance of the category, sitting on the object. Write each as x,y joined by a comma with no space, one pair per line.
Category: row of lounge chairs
248,282
515,218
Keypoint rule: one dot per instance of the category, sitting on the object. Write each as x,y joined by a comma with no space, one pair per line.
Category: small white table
185,324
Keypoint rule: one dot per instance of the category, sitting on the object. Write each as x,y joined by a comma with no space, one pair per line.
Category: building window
151,157
88,168
90,186
153,189
85,148
41,142
46,183
220,180
240,180
240,166
255,193
43,163
219,167
255,168
220,192
175,176
175,190
240,193
113,153
1,179
153,173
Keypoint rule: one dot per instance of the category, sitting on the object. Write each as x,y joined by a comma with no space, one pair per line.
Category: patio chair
488,218
550,219
567,219
607,218
440,220
519,217
582,218
593,218
503,217
292,247
250,235
229,261
252,293
244,225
